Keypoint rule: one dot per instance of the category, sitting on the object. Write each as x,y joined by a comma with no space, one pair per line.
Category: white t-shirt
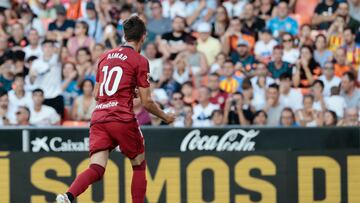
291,56
235,9
201,116
181,79
48,76
15,102
337,104
170,11
293,99
335,81
156,68
265,50
32,52
45,117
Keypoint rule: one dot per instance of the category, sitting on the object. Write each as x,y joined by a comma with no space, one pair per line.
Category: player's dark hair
134,29
38,90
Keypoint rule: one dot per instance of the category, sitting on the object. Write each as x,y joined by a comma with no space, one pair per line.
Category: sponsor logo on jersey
106,105
233,140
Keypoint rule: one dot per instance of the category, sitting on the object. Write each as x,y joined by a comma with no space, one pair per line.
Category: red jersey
119,72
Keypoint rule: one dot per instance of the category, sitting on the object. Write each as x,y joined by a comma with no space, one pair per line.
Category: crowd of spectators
212,63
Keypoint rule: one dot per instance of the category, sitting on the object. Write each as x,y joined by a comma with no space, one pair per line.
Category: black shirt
255,28
324,9
67,24
172,40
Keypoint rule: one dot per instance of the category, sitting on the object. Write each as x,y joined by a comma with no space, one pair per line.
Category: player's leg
91,175
138,184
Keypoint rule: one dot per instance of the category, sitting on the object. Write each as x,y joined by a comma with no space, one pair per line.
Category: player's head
134,29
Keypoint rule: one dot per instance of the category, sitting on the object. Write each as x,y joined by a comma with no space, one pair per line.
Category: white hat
204,27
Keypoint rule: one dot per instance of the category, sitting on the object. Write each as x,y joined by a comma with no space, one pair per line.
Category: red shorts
127,135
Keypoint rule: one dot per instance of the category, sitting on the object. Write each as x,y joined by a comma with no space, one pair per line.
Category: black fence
190,165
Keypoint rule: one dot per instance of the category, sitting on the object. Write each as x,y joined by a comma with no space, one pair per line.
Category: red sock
94,173
138,184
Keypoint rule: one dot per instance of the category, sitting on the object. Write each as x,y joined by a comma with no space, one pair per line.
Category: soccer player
113,122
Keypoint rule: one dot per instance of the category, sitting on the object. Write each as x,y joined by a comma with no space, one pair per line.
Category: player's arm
96,90
150,105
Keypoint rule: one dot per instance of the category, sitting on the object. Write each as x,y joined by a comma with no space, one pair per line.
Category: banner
190,177
185,139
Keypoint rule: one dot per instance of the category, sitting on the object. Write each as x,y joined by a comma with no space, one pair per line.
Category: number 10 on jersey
104,86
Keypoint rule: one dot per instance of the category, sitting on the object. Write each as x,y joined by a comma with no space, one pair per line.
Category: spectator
218,96
354,6
182,70
81,38
111,37
229,82
343,10
45,73
219,62
196,60
290,53
321,53
17,38
249,99
352,49
325,14
34,47
273,107
266,9
5,113
95,21
330,119
18,96
84,65
335,33
42,115
97,51
289,96
287,118
235,112
159,94
328,78
3,46
70,88
307,69
336,102
349,92
19,63
198,11
29,20
305,37
277,66
351,117
221,22
260,118
157,25
207,44
217,118
244,60
188,111
177,107
23,116
190,94
235,7
173,8
75,9
264,47
203,110
61,28
341,66
155,63
319,100
308,116
167,81
282,22
260,82
172,43
85,104
233,35
142,116
252,24
7,71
